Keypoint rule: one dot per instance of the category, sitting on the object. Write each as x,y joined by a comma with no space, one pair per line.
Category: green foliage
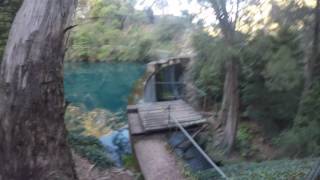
283,70
304,138
113,30
207,72
130,162
271,79
90,148
84,127
278,169
96,122
244,141
168,28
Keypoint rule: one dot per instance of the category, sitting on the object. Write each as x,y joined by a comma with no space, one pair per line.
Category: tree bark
311,61
312,65
229,111
32,132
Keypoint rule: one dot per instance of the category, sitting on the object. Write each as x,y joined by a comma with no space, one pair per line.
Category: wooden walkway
148,122
149,117
155,159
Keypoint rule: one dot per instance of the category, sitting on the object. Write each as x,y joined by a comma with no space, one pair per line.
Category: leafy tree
304,138
112,30
271,79
229,112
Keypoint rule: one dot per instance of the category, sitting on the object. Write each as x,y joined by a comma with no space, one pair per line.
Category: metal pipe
199,148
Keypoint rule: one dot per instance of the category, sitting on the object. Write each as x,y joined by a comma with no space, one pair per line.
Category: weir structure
163,108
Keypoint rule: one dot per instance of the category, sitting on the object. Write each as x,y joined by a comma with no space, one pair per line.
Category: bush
207,72
90,148
130,162
243,141
304,138
169,28
271,80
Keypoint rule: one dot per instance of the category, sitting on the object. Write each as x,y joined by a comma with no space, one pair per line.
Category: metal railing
200,93
194,143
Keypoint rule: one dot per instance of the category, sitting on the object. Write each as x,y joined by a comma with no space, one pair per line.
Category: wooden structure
149,119
153,114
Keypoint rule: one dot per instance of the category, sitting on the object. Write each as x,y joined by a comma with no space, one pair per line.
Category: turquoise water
100,85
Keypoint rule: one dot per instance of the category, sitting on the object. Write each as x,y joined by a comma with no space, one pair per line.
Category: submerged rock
117,145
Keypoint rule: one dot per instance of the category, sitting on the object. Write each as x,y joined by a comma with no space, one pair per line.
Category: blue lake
100,85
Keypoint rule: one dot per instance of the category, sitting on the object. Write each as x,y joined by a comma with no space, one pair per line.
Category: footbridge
161,109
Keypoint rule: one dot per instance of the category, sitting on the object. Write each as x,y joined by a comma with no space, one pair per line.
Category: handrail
201,92
204,154
193,141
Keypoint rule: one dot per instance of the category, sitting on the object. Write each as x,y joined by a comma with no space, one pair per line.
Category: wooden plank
195,118
154,116
182,108
186,109
134,122
168,123
132,109
153,128
165,118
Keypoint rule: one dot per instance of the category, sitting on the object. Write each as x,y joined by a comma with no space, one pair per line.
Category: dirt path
87,171
156,161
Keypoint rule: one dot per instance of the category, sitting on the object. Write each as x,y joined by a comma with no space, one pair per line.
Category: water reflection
101,85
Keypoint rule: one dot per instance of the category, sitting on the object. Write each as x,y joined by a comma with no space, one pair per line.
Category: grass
268,170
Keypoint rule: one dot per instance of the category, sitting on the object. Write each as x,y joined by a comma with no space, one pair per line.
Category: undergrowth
268,170
90,148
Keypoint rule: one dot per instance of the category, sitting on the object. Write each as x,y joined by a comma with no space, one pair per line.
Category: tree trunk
229,112
32,132
311,61
312,65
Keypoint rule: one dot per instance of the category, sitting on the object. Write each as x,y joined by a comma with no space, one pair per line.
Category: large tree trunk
229,112
312,64
32,132
311,61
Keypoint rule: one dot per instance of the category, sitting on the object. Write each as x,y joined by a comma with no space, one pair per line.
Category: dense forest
256,66
115,31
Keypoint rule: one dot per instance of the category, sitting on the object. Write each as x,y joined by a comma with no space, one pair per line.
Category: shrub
90,148
304,138
243,141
